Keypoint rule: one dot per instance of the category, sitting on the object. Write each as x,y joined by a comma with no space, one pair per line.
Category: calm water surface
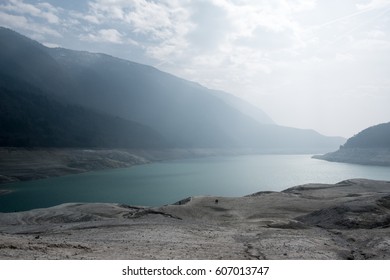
167,182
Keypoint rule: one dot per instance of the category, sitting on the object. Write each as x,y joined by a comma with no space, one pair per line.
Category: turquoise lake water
167,182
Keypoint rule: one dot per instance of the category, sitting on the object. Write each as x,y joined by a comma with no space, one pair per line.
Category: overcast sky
321,64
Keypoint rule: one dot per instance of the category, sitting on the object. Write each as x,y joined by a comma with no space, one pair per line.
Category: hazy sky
321,64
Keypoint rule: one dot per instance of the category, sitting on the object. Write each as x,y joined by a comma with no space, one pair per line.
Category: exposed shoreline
348,220
363,156
22,164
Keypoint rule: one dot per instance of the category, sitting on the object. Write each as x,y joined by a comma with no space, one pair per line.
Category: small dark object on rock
37,237
216,201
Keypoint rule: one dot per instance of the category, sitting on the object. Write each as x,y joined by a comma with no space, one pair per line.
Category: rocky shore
348,220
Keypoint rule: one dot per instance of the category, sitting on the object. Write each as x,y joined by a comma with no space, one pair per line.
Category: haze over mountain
156,108
30,119
371,146
377,136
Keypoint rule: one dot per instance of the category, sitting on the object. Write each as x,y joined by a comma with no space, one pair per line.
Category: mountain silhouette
114,95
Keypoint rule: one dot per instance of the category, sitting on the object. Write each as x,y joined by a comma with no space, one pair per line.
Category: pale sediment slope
348,220
23,164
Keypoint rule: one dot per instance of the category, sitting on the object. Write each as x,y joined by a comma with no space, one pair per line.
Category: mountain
186,114
370,146
377,136
30,119
25,60
244,107
183,114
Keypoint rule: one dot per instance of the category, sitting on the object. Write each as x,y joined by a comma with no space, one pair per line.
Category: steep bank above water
348,220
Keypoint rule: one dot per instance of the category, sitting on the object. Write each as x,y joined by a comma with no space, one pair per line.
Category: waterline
167,182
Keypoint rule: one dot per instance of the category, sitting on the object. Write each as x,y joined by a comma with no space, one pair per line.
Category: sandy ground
348,220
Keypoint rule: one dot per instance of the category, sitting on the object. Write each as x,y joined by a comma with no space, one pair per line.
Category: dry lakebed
347,220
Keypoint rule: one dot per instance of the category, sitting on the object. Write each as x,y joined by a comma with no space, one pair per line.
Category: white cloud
21,22
39,21
104,35
345,57
13,21
41,10
162,25
160,20
262,27
376,34
247,16
373,4
372,45
77,17
51,45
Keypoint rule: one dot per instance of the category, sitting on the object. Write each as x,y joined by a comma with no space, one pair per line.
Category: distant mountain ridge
377,136
244,107
371,146
170,111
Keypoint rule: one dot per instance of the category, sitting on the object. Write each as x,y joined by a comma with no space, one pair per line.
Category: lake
167,182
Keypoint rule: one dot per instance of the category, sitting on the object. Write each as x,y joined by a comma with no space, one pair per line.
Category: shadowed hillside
177,113
377,136
30,119
370,146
